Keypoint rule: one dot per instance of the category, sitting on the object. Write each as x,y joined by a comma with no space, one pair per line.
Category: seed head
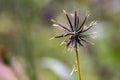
76,30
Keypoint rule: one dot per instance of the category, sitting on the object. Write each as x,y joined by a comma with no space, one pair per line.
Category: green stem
78,64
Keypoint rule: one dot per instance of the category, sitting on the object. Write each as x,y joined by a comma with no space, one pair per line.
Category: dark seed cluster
76,30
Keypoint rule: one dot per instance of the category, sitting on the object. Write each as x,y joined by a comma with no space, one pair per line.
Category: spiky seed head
75,33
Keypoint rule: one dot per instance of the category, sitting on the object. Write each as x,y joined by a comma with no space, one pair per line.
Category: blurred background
26,53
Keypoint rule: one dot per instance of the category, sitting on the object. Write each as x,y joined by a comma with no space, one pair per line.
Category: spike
52,38
87,14
72,15
62,42
64,11
56,25
73,70
54,21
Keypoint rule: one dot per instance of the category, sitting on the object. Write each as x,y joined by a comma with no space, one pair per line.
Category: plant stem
78,64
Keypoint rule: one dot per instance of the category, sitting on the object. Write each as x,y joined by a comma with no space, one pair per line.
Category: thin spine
69,21
87,15
75,20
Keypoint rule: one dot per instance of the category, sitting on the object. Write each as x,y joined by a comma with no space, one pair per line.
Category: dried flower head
76,30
